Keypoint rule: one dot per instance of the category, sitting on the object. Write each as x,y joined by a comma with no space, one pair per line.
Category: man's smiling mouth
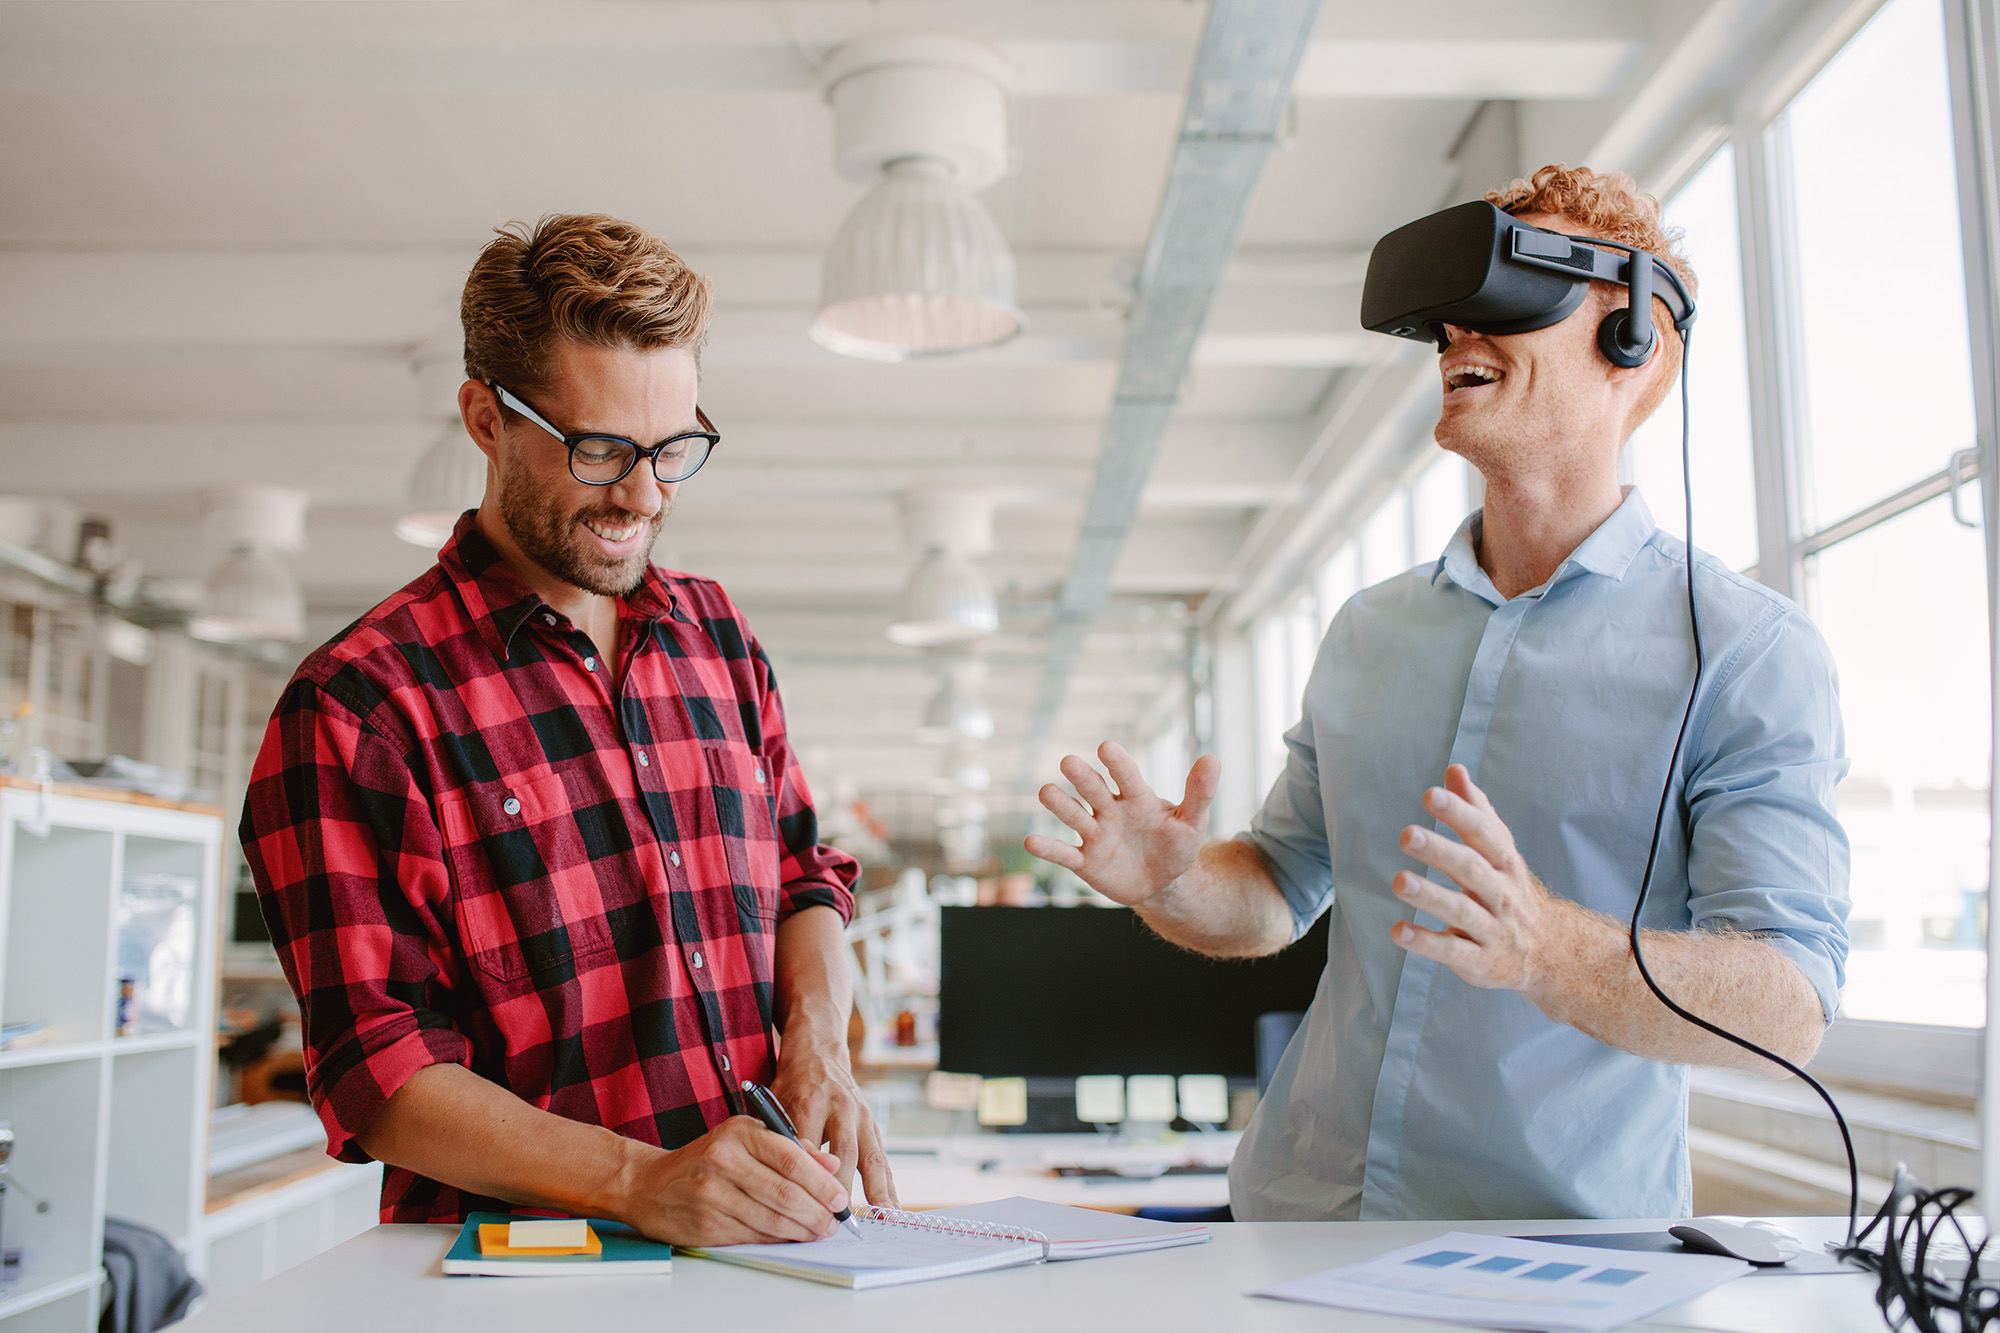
611,532
1470,375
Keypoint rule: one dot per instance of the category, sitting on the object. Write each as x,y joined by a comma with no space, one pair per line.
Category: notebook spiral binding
960,1226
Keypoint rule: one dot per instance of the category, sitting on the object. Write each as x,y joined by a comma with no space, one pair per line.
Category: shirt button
511,806
697,958
674,857
759,775
549,621
643,761
724,1060
590,664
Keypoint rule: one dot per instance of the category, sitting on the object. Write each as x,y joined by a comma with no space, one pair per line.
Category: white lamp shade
954,714
947,600
450,479
918,269
250,597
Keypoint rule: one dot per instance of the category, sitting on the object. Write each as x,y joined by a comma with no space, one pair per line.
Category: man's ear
479,409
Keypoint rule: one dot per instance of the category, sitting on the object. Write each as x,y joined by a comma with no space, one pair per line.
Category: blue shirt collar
1610,550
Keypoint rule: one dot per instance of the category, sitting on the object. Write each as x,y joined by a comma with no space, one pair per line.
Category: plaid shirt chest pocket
526,894
744,784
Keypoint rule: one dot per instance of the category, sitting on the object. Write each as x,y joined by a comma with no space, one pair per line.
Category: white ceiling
232,236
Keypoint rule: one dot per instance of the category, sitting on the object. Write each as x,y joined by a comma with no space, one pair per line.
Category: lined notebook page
884,1253
880,1245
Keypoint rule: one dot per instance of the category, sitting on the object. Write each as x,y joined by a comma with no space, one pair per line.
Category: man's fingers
1454,909
1467,868
1478,829
877,1182
1202,781
1458,781
841,1138
1056,853
1454,952
795,1183
1067,808
1089,783
1124,770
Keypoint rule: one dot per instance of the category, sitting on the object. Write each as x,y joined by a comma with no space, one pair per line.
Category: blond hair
1610,204
584,277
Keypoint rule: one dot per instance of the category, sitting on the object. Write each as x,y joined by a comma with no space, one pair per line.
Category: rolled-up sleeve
350,874
1289,830
1766,852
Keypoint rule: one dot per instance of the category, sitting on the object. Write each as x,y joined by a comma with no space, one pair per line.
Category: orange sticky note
493,1245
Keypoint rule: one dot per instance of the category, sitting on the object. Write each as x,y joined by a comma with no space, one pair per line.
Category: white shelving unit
103,1124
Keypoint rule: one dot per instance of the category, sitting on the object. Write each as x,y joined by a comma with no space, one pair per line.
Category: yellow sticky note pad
1003,1101
494,1238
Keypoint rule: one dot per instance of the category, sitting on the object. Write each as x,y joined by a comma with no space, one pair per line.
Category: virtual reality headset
1475,267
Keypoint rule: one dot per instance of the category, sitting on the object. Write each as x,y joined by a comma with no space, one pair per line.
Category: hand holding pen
765,1106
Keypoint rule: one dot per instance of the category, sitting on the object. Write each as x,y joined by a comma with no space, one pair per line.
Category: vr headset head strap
1626,337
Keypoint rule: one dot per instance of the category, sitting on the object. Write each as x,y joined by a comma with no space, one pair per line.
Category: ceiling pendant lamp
947,599
955,714
919,268
450,479
251,596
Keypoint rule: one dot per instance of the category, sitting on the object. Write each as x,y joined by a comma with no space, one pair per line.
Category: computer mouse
1749,1239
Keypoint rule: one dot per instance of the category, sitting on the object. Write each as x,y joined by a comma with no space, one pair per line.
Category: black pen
764,1104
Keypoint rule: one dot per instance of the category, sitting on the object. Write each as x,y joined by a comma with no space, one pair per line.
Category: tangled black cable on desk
1910,1287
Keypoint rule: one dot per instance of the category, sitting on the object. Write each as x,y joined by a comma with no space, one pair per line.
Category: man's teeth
1464,376
611,534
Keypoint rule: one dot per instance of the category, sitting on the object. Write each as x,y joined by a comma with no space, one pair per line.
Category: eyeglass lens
599,460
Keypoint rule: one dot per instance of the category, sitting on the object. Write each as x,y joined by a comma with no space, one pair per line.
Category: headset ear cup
1612,341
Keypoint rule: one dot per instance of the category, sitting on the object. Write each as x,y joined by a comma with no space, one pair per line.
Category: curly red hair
1609,204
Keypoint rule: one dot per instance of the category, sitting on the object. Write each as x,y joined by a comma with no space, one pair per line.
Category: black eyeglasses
604,460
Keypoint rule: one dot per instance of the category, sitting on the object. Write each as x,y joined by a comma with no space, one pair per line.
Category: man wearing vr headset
1482,1043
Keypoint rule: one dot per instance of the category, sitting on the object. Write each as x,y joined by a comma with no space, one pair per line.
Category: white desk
387,1280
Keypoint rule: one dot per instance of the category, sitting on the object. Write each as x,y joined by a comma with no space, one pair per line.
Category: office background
231,240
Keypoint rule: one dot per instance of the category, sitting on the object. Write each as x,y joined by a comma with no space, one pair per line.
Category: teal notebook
626,1253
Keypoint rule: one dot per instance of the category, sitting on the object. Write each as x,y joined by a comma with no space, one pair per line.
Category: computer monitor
1046,992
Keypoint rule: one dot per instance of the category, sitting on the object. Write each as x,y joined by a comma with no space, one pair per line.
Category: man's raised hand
1134,843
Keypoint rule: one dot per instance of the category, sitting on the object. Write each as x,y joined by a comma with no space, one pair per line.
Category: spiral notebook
896,1247
893,1247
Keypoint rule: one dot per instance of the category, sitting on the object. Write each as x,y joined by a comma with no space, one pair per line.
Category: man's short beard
556,540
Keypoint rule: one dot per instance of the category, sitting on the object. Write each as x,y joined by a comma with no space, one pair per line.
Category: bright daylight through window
1718,385
1888,399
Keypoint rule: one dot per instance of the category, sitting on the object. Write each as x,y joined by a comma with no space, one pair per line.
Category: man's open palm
1134,843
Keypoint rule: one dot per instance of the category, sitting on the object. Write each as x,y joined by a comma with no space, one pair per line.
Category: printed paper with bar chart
1497,1282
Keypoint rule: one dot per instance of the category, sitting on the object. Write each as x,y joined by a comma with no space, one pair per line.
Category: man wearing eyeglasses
536,856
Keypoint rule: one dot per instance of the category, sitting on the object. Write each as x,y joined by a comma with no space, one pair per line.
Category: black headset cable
1659,822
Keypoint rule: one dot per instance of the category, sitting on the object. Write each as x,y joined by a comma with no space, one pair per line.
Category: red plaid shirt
471,847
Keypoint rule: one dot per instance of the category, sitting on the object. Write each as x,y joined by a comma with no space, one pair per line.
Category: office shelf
103,1124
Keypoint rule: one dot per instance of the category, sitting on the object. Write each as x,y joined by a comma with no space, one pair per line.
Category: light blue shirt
1409,1093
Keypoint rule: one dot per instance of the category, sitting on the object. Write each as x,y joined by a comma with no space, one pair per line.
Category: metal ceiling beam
1242,82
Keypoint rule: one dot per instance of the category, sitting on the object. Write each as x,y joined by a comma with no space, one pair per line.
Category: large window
1901,599
1718,384
1881,274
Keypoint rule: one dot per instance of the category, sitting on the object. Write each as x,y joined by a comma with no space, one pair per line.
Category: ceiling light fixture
947,599
919,268
450,479
251,596
955,713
